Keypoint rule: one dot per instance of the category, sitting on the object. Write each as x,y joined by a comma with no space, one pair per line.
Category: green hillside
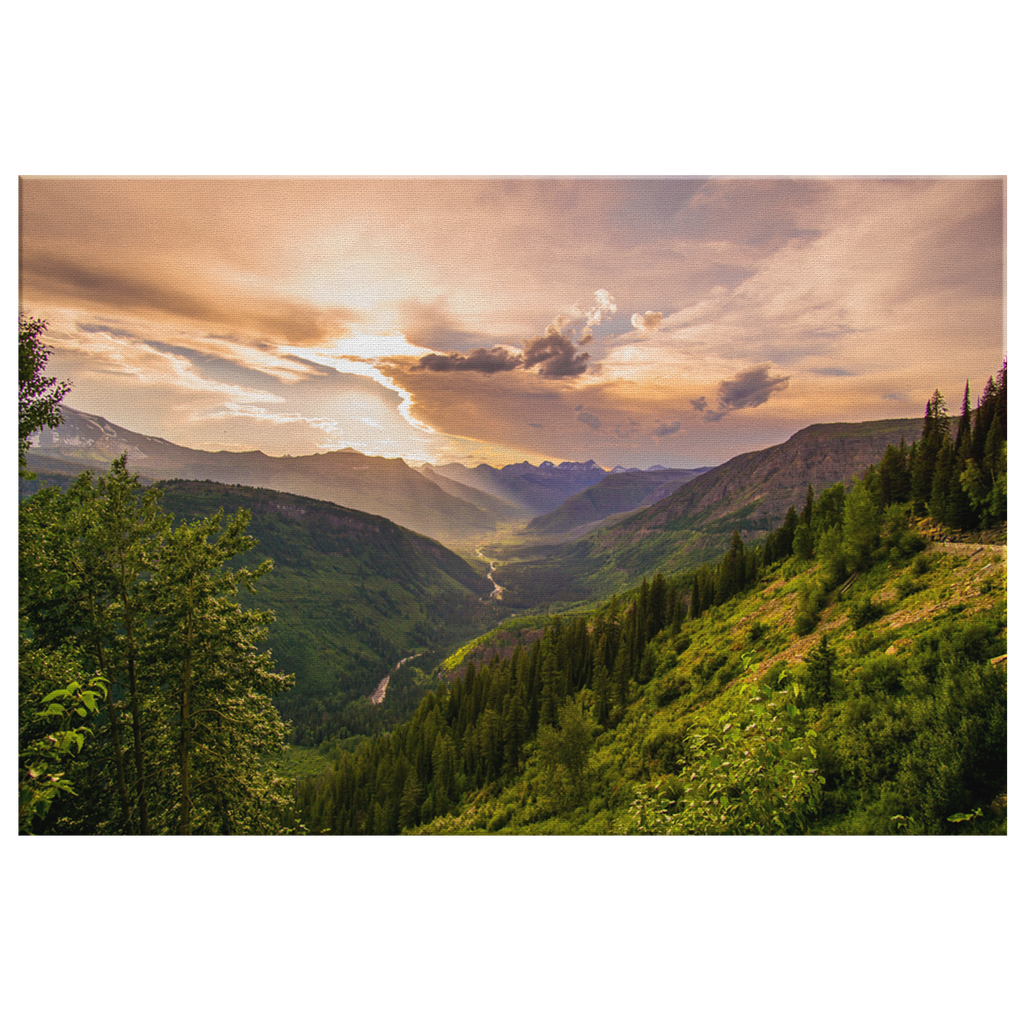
353,594
888,716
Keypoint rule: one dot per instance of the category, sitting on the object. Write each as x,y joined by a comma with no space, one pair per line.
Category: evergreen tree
805,516
821,662
861,526
657,605
942,481
803,542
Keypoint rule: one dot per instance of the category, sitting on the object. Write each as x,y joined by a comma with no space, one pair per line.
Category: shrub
810,601
756,633
863,610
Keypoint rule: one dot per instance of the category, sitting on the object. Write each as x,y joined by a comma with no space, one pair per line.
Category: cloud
604,302
747,390
663,430
589,419
649,321
481,360
750,388
555,354
152,291
830,371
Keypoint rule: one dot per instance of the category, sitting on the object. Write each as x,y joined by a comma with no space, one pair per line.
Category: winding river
498,590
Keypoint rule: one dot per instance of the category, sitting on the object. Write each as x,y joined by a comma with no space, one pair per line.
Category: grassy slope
700,674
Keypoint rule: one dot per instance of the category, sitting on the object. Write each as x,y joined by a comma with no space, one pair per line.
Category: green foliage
751,772
189,724
51,728
757,632
803,542
563,751
861,528
39,397
810,602
821,665
863,610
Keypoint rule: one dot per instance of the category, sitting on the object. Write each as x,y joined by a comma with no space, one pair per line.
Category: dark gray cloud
555,354
664,429
747,390
481,360
589,419
750,388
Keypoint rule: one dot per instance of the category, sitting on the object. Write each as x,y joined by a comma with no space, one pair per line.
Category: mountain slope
534,489
502,510
383,487
616,493
749,493
733,723
353,594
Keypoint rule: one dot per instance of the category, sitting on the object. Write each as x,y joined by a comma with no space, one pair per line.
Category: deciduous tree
39,397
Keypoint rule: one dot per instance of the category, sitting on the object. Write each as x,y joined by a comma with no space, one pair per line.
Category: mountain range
749,493
452,503
380,486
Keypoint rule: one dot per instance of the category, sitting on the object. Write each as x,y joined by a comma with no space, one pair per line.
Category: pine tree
805,516
860,528
821,662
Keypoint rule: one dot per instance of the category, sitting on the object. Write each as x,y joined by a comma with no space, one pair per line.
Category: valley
410,506
564,674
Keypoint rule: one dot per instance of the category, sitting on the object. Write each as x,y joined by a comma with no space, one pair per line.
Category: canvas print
532,506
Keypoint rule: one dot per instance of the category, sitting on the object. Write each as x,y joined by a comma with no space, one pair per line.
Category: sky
669,321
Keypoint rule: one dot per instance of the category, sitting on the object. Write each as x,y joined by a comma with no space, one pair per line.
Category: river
382,686
498,590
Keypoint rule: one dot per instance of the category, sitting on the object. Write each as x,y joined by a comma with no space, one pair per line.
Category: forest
842,673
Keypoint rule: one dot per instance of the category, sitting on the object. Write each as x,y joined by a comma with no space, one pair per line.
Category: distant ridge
534,489
616,493
379,486
750,493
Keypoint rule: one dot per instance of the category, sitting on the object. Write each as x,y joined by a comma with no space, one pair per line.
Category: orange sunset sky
672,321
